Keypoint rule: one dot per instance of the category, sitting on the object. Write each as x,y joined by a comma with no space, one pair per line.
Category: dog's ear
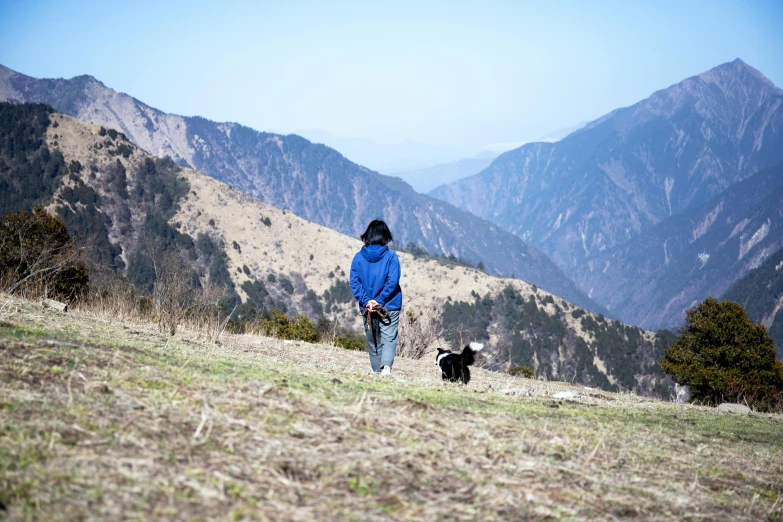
440,351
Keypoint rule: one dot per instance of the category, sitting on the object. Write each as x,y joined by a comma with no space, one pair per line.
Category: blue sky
458,74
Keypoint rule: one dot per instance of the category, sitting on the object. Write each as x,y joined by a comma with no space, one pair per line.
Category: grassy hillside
103,418
273,258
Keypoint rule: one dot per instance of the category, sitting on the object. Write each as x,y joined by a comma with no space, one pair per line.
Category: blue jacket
375,274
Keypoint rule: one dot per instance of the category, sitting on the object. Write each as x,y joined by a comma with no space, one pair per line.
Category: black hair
377,233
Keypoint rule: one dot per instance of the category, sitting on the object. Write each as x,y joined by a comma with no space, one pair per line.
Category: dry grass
103,419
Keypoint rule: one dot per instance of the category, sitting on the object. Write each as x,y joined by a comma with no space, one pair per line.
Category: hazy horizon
451,76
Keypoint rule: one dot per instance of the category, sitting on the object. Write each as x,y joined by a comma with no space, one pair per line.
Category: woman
375,283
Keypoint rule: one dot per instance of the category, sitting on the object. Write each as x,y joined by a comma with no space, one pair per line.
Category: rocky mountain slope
272,257
311,180
651,279
629,170
760,291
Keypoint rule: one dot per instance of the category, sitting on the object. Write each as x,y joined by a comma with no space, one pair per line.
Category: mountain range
617,190
311,180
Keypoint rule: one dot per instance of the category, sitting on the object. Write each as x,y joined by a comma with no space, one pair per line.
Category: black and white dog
454,366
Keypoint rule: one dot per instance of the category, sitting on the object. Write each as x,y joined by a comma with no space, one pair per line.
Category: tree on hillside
723,356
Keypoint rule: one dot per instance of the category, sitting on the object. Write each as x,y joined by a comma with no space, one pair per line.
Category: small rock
569,394
257,387
126,399
100,387
732,407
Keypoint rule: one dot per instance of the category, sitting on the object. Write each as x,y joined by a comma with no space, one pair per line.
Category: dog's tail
469,353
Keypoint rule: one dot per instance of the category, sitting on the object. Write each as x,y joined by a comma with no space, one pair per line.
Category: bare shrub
330,332
173,293
757,395
327,330
207,313
113,296
37,256
420,330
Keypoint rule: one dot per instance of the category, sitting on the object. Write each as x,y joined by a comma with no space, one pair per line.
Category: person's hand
372,304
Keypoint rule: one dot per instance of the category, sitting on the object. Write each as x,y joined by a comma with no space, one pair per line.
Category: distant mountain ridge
618,188
311,180
632,168
425,179
385,158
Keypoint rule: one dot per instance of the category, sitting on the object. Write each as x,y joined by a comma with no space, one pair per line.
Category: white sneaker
386,371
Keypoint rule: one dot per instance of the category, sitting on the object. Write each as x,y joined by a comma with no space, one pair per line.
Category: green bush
300,328
521,371
724,357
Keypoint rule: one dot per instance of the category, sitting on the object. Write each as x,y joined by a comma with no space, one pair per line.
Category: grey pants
383,347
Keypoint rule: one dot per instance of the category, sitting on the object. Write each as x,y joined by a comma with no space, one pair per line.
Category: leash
374,316
379,311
